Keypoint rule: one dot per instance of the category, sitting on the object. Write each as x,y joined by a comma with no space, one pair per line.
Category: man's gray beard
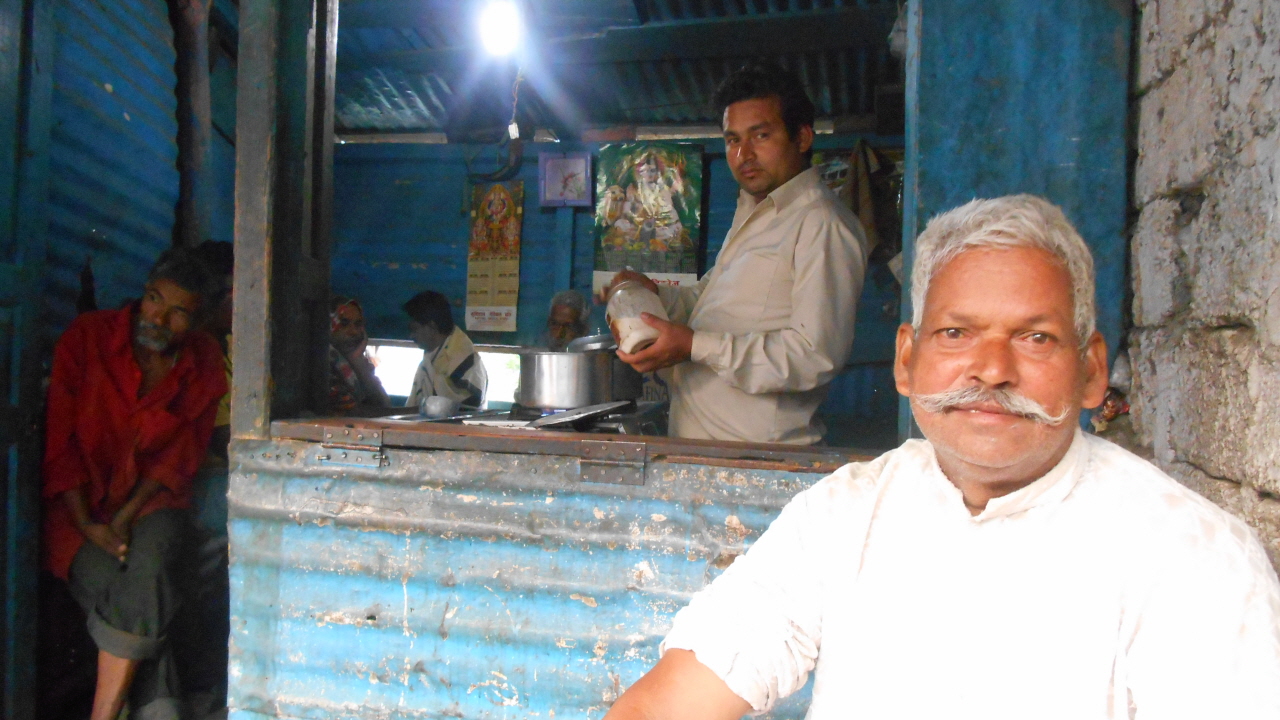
150,336
1012,402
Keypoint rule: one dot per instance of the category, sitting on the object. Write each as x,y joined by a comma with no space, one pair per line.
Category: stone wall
1206,251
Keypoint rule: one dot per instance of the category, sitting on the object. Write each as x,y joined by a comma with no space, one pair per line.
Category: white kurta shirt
454,370
773,320
1102,590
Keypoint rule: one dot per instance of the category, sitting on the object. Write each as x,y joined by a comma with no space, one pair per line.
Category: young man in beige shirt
757,340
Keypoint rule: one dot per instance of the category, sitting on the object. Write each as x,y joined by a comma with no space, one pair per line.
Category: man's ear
805,138
902,359
1095,372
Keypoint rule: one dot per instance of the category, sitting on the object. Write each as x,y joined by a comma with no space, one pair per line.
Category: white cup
438,406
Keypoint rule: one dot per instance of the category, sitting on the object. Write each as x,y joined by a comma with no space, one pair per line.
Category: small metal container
563,380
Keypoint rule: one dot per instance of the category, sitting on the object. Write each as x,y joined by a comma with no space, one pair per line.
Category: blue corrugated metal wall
469,584
399,228
113,176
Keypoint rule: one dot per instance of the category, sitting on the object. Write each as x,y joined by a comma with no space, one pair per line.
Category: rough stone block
1213,90
1165,28
1156,275
1177,134
1262,511
1231,266
1222,406
1150,397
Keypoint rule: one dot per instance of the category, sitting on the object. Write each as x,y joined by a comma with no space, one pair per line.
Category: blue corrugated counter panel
469,584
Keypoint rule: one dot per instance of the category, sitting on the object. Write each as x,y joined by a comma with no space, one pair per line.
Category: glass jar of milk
626,300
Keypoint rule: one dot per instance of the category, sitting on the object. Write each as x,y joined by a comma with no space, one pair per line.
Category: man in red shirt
131,406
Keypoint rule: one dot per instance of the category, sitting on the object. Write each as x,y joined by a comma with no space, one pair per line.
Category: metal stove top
643,418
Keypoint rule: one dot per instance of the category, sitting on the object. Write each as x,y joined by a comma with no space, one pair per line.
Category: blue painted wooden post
1008,96
26,84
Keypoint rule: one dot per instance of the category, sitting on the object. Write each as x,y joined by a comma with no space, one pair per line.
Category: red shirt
100,436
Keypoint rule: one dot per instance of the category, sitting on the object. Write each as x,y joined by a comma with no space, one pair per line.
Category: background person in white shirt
758,339
1008,567
450,365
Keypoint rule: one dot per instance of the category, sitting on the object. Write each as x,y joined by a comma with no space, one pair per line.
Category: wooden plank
325,67
284,210
255,180
443,436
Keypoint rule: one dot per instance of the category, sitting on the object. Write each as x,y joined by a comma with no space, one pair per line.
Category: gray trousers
130,607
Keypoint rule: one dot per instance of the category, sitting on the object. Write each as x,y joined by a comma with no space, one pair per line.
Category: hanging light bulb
501,27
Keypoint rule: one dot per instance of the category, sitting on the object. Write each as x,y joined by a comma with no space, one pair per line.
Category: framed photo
564,179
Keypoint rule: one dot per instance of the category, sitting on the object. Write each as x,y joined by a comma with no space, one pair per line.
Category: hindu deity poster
648,211
493,256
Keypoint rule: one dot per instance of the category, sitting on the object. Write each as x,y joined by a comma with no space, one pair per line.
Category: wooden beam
421,138
284,146
255,191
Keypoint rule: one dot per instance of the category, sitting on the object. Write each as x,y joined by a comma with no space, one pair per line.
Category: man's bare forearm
142,493
679,688
78,507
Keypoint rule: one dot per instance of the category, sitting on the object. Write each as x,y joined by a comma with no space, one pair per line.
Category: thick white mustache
1012,402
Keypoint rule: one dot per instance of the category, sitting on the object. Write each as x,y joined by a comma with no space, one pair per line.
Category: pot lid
568,417
589,343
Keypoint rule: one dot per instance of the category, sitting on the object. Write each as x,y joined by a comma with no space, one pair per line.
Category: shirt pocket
771,281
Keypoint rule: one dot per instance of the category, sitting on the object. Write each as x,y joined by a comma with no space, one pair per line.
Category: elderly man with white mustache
1009,566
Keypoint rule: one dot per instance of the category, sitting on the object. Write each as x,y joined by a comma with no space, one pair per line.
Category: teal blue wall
1009,96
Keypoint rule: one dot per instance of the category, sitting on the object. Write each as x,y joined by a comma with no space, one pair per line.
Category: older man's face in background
563,326
1000,319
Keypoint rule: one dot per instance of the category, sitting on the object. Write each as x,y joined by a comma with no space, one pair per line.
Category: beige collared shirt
773,320
1102,590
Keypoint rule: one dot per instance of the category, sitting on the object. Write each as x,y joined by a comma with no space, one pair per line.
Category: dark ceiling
407,66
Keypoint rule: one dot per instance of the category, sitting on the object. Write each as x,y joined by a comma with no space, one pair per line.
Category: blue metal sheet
113,174
469,584
1008,97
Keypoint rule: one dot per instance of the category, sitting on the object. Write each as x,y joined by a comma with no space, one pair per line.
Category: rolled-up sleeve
829,265
679,301
758,625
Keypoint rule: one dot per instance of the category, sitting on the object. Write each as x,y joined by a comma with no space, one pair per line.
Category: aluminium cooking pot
552,380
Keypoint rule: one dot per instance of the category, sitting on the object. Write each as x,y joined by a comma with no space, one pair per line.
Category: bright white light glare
500,27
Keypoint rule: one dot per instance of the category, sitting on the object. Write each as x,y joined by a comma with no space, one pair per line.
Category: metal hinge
358,447
610,461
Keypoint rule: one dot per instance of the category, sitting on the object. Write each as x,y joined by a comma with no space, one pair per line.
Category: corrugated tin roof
414,66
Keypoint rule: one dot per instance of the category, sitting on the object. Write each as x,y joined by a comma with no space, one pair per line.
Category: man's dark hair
219,256
431,308
185,268
763,79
